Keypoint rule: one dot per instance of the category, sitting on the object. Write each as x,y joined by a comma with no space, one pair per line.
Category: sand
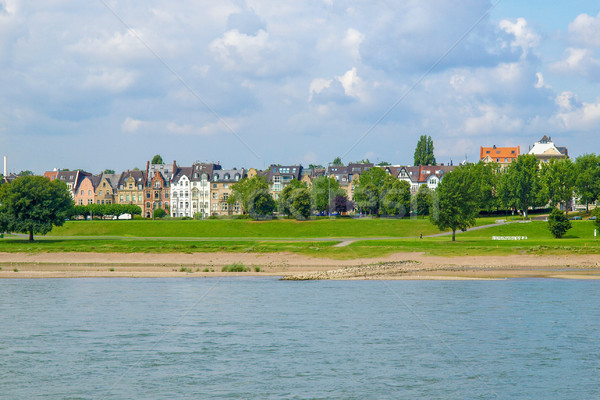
294,266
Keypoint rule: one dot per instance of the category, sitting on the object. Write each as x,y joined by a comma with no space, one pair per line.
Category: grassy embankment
299,237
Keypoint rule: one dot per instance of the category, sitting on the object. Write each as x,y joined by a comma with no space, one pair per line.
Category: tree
456,204
383,164
520,185
337,162
261,205
487,179
157,159
244,191
324,189
25,173
109,171
424,151
33,204
315,166
558,181
368,190
596,213
587,182
301,203
341,204
159,213
558,223
287,196
423,199
395,197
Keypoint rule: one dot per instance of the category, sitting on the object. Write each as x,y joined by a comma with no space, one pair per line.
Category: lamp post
328,190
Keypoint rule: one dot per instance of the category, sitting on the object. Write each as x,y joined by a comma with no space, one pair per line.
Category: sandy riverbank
395,266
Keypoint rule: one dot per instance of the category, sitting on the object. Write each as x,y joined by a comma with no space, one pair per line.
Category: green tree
383,164
486,177
558,181
261,205
25,173
286,196
423,199
395,197
337,162
301,203
456,204
244,191
596,213
157,159
424,151
315,166
324,189
368,190
108,171
558,223
587,182
159,213
520,186
33,204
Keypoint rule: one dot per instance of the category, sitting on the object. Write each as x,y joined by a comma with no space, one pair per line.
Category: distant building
545,150
347,176
430,175
501,155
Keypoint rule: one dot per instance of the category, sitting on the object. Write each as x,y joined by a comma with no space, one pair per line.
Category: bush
235,267
558,223
159,213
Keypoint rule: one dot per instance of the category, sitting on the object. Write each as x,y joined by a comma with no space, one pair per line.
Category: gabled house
279,176
106,188
181,192
201,177
220,190
504,156
131,188
84,189
545,150
430,175
157,187
347,176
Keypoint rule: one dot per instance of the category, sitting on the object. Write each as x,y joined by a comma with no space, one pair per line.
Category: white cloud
584,118
242,52
112,80
317,86
353,85
578,61
492,119
131,125
585,30
525,38
352,42
118,47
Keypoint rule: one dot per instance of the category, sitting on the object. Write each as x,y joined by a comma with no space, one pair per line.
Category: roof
228,175
420,174
113,179
181,172
137,175
546,147
499,152
203,168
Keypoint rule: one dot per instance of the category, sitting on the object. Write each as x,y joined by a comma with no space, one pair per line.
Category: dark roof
139,177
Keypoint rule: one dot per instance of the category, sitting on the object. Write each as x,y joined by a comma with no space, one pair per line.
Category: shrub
558,223
112,270
235,267
596,213
256,268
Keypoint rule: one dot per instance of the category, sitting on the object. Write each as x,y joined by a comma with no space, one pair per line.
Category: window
225,196
166,195
506,160
214,195
214,185
101,193
226,186
147,204
89,192
148,194
127,198
156,195
139,198
487,152
81,193
121,198
276,179
103,184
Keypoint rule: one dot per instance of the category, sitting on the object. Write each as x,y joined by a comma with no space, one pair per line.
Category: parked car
577,217
592,218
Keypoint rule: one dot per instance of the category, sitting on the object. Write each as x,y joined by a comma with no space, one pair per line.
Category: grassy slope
244,228
578,240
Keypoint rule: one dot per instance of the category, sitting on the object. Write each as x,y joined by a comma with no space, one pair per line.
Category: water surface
255,338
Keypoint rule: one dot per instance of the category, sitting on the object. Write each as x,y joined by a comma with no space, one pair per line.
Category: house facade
220,190
157,192
181,192
430,175
545,150
131,188
201,176
279,176
85,191
504,156
106,188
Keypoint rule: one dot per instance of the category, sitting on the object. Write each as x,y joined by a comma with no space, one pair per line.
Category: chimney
5,166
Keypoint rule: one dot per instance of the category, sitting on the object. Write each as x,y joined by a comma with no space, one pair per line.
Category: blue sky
106,84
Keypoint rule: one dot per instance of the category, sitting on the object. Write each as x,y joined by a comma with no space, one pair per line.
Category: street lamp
328,190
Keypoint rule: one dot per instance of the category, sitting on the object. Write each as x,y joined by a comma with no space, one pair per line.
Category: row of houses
204,188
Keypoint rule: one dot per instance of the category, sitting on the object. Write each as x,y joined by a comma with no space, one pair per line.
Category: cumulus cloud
580,62
584,118
585,30
524,37
131,125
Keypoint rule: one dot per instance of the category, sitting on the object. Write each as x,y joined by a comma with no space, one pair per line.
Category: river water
261,338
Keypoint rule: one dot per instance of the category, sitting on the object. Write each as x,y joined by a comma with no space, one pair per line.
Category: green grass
235,267
579,240
330,228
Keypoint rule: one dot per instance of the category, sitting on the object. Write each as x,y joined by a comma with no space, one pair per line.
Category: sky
106,84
